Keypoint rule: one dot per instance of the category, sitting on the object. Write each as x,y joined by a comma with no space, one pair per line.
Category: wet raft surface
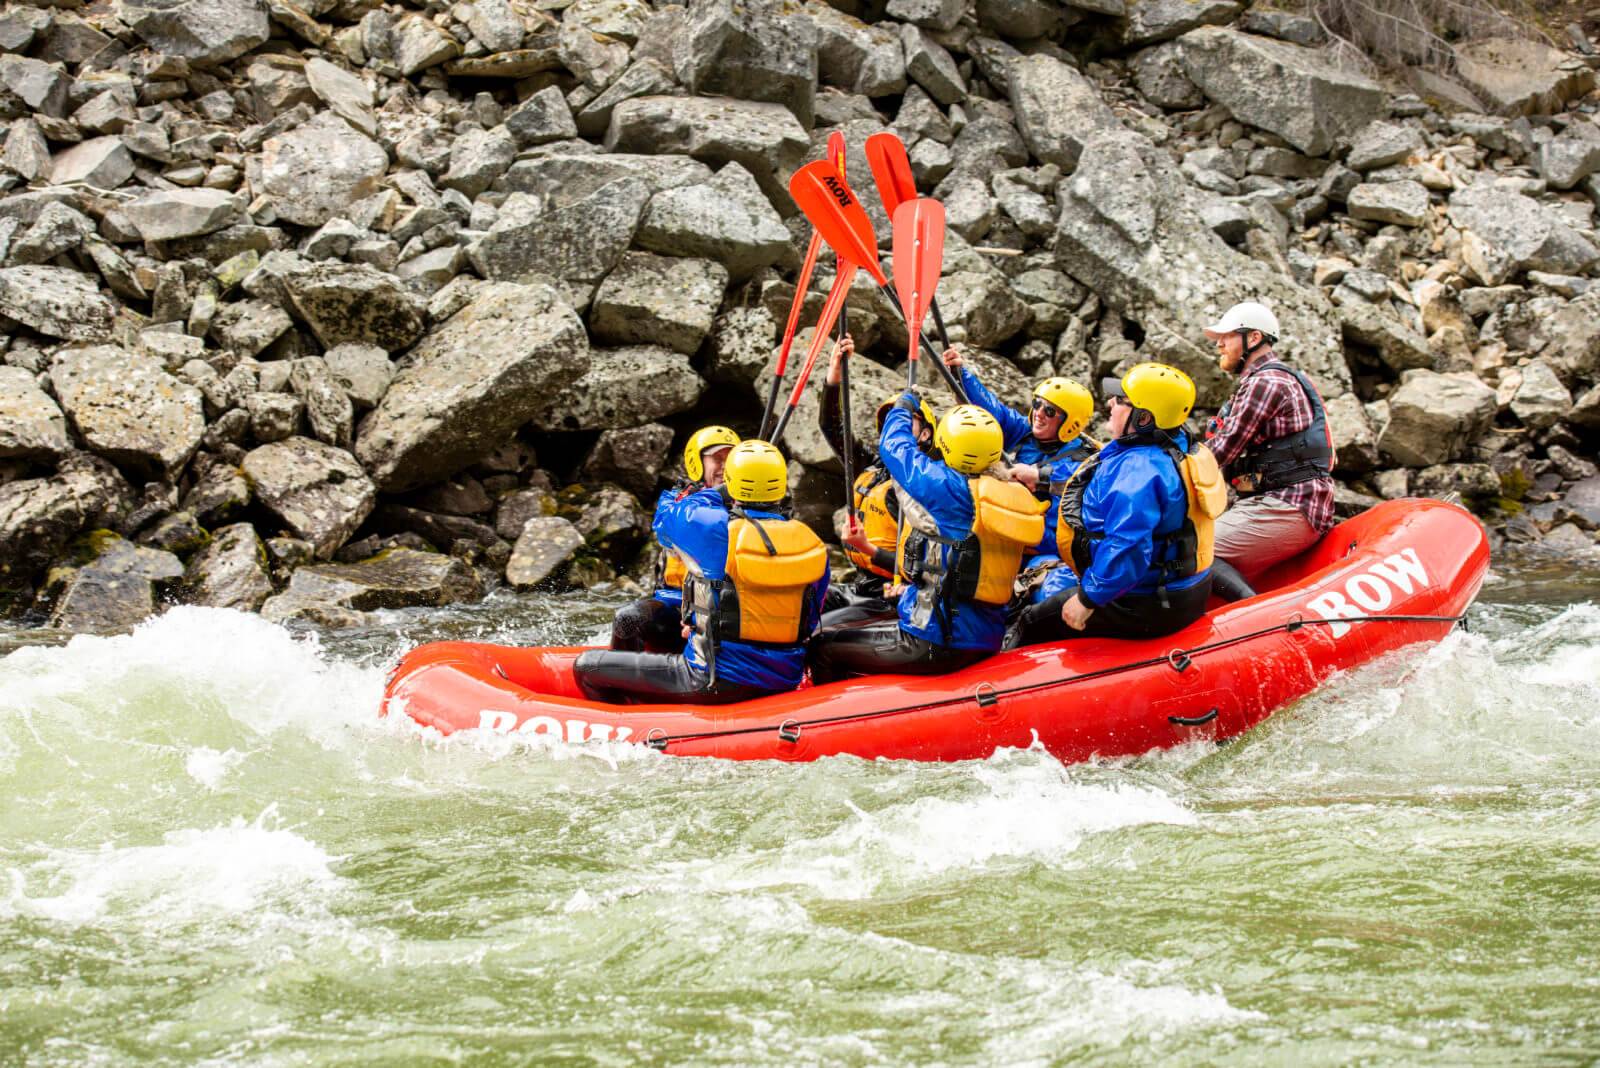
213,850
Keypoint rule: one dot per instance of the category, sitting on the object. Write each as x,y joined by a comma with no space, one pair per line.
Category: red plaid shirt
1269,405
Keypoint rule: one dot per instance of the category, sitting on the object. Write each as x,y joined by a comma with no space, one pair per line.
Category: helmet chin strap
1249,349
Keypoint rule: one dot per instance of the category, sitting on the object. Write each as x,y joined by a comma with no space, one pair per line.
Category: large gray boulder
364,371
56,302
101,162
578,243
623,387
114,590
1540,400
1294,92
728,219
471,382
1404,203
316,170
1057,109
562,179
230,572
126,407
1504,233
1158,73
1570,156
32,85
1522,77
204,32
31,425
174,213
658,300
39,516
632,457
319,492
542,550
753,50
1150,21
349,302
345,94
399,578
766,139
248,326
1432,417
855,56
1130,230
329,412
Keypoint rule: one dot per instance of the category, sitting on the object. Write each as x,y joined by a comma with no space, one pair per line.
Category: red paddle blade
891,170
918,259
838,216
824,331
836,151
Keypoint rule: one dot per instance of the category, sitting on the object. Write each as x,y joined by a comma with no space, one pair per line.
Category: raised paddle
802,285
891,173
819,338
918,258
827,200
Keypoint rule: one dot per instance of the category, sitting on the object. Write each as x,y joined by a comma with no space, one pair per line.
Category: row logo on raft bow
1372,590
576,731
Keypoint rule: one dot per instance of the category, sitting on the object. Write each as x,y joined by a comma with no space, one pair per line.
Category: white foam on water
192,876
207,766
1017,806
256,671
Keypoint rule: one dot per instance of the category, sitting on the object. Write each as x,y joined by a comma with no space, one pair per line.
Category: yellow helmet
970,439
756,473
710,437
1073,400
1165,392
925,410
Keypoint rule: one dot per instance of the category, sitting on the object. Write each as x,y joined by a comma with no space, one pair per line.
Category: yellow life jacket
670,570
766,597
1008,521
875,507
1189,549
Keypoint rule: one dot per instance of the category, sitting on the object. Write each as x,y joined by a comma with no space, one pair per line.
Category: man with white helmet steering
1273,443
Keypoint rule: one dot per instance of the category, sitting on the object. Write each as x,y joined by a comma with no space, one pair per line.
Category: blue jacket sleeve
696,526
1013,424
938,488
1131,511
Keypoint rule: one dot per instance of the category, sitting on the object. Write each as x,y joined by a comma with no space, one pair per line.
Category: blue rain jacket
667,594
697,526
1054,461
1133,497
944,493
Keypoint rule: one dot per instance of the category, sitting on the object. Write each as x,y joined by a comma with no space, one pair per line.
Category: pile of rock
295,297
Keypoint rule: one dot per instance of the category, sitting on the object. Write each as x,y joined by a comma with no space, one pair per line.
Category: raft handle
1192,721
1179,661
656,739
986,695
789,731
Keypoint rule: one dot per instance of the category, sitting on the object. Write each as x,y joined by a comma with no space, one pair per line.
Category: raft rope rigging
986,694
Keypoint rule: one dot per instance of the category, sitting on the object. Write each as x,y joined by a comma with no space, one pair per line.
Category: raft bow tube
1401,573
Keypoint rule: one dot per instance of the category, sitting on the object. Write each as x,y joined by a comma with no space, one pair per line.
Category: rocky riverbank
320,309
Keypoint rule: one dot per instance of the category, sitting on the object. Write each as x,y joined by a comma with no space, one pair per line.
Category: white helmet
1246,316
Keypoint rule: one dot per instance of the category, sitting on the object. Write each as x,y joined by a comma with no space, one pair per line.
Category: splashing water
213,851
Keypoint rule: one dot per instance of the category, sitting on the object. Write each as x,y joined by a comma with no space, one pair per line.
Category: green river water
212,852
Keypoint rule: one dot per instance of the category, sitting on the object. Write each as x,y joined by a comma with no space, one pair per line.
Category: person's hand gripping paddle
802,286
891,173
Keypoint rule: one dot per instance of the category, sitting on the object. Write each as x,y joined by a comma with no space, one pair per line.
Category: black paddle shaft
927,346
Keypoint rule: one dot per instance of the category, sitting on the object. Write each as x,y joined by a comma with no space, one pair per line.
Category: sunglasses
1117,399
1050,410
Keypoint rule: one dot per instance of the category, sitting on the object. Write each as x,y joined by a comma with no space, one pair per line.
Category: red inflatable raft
1402,573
